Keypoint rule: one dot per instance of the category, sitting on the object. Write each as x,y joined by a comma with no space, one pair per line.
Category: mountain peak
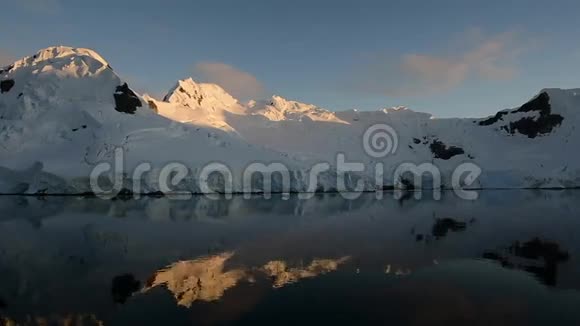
279,108
200,95
59,62
64,55
284,104
54,78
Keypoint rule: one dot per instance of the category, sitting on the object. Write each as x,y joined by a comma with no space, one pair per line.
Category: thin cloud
488,58
242,85
433,74
494,58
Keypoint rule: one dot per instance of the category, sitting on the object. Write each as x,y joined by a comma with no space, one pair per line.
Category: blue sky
449,58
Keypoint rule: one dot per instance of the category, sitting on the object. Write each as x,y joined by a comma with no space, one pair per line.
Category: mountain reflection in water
205,279
509,257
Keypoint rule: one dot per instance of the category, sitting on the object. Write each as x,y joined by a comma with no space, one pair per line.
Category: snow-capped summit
203,104
279,108
200,95
75,61
60,77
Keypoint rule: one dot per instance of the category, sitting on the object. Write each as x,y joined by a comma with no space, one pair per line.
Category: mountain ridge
66,109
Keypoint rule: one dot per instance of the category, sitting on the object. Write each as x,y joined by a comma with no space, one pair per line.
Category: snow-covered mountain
64,110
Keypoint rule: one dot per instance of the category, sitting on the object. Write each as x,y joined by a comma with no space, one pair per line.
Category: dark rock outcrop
6,85
6,69
543,124
444,152
532,127
126,101
497,117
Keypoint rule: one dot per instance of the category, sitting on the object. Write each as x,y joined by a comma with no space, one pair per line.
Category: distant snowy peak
279,108
403,110
189,101
213,101
191,94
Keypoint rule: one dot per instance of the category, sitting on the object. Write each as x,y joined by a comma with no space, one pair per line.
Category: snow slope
64,110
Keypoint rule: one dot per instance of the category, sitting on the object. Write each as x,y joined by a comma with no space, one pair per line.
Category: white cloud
435,74
488,58
240,84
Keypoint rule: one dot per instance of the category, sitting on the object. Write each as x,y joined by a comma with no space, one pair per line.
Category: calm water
511,257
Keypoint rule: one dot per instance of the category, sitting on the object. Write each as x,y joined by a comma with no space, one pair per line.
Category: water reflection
444,225
230,261
204,279
441,227
123,286
199,279
281,274
540,258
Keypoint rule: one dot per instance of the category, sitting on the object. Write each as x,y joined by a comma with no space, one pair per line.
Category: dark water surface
509,258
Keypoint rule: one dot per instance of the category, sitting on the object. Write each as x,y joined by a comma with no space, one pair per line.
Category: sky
449,58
